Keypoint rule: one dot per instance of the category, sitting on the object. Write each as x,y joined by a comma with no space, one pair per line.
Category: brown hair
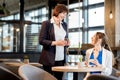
100,35
59,8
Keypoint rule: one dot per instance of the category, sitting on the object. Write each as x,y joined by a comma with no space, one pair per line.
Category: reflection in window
91,33
96,17
95,1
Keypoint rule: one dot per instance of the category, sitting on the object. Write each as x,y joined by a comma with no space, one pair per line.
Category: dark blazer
47,56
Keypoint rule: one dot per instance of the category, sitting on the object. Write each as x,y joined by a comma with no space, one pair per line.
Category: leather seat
101,77
6,74
29,72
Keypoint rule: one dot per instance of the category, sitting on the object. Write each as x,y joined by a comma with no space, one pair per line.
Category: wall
110,23
112,26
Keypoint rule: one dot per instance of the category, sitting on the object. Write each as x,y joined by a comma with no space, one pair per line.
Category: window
74,19
96,16
75,15
17,16
75,22
93,21
44,11
32,31
8,18
95,1
75,39
91,33
11,32
6,38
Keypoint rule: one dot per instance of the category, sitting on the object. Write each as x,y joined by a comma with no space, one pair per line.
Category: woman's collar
53,21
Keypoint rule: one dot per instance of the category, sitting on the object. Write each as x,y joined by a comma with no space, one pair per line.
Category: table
10,60
76,70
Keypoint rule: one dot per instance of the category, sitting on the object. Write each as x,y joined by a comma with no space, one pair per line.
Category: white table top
76,69
21,63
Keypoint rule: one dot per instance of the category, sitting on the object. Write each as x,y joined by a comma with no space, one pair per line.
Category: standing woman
99,55
52,37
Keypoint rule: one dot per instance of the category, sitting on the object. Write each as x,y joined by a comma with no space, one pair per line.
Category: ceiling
13,5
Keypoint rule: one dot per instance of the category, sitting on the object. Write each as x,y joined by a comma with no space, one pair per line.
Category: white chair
29,72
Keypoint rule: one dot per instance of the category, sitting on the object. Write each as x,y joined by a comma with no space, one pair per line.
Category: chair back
101,77
29,72
6,74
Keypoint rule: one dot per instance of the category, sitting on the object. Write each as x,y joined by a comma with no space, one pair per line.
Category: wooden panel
110,23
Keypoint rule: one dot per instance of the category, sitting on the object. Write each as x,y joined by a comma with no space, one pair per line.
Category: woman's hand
86,63
95,61
59,43
67,42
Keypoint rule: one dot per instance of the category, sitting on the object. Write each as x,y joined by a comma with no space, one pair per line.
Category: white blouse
59,35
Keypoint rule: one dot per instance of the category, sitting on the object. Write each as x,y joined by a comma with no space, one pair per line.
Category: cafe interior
20,24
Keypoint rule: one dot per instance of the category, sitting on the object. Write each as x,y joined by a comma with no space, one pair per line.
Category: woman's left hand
67,42
96,62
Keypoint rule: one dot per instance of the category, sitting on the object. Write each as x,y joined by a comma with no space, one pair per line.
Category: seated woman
98,55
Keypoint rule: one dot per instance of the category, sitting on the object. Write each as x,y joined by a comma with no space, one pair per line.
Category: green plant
80,58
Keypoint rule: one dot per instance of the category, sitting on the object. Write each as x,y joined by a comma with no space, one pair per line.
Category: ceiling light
3,10
111,15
